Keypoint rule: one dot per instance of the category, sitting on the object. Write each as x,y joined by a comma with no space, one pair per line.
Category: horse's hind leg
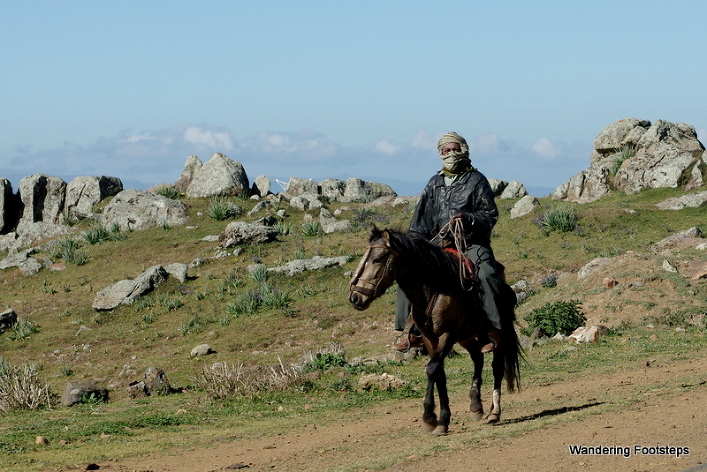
476,407
498,367
437,377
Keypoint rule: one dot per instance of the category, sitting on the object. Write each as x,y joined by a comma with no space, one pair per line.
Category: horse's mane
427,261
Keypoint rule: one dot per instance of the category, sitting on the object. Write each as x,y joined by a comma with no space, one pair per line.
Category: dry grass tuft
20,389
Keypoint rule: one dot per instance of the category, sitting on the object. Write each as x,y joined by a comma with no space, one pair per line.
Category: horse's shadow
553,412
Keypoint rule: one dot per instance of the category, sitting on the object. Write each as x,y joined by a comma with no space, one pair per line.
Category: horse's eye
378,260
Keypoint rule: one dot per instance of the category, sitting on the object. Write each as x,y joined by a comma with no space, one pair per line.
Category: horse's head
376,270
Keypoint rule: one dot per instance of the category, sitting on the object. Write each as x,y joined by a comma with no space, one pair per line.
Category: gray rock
240,232
498,186
514,190
201,350
524,206
593,266
42,198
8,319
138,210
220,176
126,291
191,167
9,207
84,192
77,392
178,271
317,262
261,186
692,200
357,190
297,186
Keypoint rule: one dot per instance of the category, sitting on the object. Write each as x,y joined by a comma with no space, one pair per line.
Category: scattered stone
383,382
201,350
8,319
593,266
591,334
669,267
77,392
317,262
41,440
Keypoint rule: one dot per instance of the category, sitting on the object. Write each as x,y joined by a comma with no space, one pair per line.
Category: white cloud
213,139
543,147
485,144
386,147
422,140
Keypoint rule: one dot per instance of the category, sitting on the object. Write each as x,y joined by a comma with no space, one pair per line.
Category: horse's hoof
429,427
477,415
493,418
440,430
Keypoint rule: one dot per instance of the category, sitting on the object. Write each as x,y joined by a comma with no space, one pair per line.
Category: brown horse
444,311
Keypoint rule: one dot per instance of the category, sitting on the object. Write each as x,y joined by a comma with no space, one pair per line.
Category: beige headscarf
454,162
452,137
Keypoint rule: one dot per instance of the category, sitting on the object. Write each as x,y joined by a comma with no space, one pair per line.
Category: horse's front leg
498,367
476,407
437,377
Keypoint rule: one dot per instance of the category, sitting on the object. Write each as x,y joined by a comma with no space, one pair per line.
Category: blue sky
321,89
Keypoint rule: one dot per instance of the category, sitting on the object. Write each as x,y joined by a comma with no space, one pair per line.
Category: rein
466,268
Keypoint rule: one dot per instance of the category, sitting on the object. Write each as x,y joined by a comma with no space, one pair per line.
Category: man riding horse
458,204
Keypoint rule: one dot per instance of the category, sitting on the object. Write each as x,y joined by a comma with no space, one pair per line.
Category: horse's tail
512,350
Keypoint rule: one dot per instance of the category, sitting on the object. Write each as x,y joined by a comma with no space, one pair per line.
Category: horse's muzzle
358,300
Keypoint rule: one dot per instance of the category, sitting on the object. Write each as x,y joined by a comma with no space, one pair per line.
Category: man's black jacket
470,195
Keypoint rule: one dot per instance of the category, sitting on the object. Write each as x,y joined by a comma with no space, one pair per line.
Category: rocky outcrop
633,154
42,199
137,210
8,207
220,176
191,167
350,190
84,192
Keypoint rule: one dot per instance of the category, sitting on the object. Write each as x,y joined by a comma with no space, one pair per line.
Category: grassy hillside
70,341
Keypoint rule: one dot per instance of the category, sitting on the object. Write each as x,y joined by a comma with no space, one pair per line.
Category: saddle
467,265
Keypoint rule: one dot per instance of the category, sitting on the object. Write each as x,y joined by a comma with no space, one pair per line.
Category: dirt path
668,407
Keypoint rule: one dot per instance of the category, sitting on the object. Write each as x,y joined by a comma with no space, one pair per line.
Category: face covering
455,162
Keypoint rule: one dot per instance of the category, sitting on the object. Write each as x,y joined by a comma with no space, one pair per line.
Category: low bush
558,317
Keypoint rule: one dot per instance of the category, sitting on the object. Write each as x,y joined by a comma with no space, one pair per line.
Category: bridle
375,291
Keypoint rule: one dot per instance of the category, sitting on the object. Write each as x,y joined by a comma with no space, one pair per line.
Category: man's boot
494,341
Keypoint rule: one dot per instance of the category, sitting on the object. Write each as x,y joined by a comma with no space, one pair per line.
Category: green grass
292,315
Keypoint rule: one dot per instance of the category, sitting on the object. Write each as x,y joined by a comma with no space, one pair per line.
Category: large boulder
633,154
220,176
42,199
8,207
191,167
137,210
358,190
84,192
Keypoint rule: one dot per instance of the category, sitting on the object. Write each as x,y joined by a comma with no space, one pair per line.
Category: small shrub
259,273
221,209
558,317
20,389
283,228
549,281
311,228
99,233
623,153
23,329
560,219
169,191
223,380
68,250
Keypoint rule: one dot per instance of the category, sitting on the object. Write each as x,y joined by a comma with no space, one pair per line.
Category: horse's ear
375,233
